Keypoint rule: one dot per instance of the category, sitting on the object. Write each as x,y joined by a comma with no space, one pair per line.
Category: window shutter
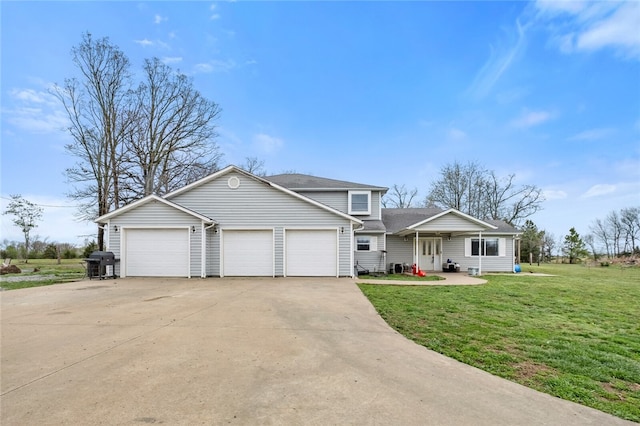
502,247
467,247
374,244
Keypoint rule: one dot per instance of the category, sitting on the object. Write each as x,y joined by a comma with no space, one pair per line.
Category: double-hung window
360,202
366,243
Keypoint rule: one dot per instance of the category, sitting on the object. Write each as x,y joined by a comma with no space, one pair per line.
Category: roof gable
406,221
264,181
148,199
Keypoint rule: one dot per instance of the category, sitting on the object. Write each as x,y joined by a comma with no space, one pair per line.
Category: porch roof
372,226
437,221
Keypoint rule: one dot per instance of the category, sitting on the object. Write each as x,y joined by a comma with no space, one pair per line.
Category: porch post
417,251
481,247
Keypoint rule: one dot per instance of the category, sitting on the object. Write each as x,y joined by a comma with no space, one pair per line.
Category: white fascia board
457,213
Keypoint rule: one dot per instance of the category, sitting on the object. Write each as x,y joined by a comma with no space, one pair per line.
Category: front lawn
400,277
575,335
39,272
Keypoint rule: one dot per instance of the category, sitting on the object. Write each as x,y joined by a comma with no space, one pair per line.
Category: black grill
97,263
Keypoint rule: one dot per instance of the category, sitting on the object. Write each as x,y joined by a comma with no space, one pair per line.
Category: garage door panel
248,253
311,253
157,252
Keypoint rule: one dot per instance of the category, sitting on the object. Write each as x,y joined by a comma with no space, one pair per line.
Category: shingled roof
300,182
398,219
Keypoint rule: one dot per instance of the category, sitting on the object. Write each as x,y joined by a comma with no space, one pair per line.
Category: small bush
604,264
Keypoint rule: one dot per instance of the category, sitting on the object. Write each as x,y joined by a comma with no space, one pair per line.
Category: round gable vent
233,182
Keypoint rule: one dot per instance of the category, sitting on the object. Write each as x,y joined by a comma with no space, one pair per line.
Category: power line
44,205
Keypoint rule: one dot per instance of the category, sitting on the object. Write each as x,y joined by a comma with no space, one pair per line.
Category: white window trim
360,212
373,243
502,244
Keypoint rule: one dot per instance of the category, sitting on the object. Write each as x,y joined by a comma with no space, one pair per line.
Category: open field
575,335
49,272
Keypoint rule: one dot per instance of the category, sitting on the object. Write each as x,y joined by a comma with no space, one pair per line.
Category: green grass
401,277
575,335
49,272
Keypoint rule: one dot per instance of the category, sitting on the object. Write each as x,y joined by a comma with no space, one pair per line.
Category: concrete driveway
239,351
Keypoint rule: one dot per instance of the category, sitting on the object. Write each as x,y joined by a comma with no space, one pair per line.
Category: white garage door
248,253
157,252
311,253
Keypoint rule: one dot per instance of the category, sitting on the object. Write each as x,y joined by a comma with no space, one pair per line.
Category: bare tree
601,233
172,143
548,244
255,166
25,216
399,197
480,193
131,143
590,241
94,107
630,221
615,231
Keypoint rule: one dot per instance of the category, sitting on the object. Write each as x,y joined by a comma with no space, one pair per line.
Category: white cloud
266,143
598,190
35,112
215,66
591,135
456,134
144,42
554,194
159,19
531,118
171,60
500,60
594,25
214,15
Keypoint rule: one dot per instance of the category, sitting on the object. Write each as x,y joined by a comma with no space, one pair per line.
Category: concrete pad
239,351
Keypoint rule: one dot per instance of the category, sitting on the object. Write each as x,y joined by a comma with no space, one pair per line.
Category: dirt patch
527,370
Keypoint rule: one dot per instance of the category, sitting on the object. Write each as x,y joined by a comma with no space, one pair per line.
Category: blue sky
374,92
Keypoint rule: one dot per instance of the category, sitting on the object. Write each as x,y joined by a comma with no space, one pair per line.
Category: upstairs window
360,202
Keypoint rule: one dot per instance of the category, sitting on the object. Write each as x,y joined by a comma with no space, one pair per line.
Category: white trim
359,212
455,212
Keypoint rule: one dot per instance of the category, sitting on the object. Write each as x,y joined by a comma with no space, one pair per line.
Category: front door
430,254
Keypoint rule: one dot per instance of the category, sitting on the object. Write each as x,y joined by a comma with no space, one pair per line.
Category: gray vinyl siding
374,261
339,200
450,222
256,205
333,199
155,214
400,251
489,263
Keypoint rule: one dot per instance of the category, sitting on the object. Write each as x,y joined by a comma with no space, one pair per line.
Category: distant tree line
617,234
